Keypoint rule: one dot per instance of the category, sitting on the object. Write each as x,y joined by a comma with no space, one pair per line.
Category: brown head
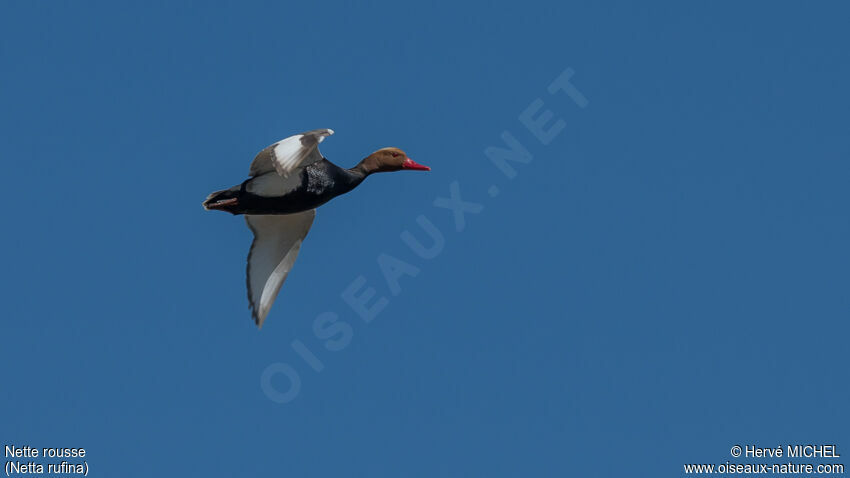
389,159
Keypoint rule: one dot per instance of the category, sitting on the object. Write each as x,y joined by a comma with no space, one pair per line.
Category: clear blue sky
666,278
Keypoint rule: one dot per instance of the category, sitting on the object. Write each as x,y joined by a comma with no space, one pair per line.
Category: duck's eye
395,155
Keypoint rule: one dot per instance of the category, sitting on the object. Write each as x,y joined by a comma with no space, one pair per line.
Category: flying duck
288,181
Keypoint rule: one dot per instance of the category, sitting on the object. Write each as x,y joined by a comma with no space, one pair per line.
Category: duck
288,181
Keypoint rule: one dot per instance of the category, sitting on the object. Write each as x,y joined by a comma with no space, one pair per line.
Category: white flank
273,185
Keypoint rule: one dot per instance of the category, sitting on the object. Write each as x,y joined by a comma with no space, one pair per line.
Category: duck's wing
277,240
291,153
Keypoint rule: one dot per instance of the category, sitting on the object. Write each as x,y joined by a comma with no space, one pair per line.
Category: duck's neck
367,166
364,168
355,176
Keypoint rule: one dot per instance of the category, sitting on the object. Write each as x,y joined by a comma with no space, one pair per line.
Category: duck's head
390,159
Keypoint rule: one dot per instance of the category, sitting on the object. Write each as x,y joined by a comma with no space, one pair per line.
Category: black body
320,182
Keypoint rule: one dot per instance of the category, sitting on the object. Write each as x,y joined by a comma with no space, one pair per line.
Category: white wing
277,240
291,153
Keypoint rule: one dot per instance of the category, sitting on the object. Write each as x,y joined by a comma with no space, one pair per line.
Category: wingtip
256,318
324,134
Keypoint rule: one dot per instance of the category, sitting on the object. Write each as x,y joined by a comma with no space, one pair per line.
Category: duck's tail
226,200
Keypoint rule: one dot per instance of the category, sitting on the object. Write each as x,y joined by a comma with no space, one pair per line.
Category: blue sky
666,278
